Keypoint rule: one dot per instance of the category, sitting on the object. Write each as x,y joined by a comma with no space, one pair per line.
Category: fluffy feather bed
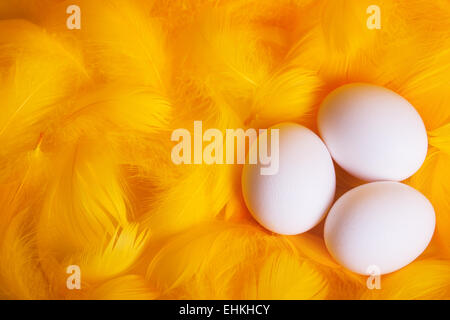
85,121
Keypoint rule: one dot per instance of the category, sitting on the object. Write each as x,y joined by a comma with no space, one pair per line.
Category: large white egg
379,226
296,198
372,132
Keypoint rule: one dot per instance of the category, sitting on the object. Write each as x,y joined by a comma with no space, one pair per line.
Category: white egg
296,198
379,226
372,132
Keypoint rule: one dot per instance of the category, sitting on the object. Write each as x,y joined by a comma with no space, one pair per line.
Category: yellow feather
210,187
174,209
126,118
34,83
84,201
424,279
284,276
340,27
426,86
223,57
440,138
432,179
291,94
341,283
128,287
125,44
233,261
21,276
113,256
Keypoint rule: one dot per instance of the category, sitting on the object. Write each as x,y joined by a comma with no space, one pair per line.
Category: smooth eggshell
372,132
296,198
383,224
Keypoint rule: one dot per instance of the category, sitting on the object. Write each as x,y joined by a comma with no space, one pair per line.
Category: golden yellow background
85,123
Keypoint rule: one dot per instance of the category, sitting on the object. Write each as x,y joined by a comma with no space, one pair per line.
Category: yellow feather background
86,116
